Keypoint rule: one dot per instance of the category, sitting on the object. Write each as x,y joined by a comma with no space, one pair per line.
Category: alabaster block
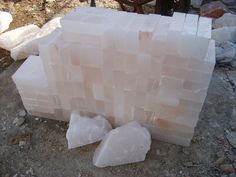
191,24
172,138
204,27
125,66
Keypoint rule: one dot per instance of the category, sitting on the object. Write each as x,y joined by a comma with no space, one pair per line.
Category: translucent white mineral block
31,73
206,65
177,23
84,130
190,25
204,27
126,144
147,31
168,136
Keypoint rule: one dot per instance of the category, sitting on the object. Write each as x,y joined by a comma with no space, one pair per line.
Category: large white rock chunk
5,21
224,34
14,37
126,144
84,130
30,46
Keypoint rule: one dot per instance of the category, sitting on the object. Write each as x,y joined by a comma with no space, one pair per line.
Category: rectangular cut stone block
125,66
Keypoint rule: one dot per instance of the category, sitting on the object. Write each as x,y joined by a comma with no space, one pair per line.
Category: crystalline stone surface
5,20
11,39
30,45
84,130
125,66
126,144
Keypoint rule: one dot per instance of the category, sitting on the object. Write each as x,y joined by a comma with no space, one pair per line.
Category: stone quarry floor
39,147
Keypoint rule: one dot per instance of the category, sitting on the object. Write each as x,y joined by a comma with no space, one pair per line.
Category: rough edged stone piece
227,19
30,46
225,52
213,9
224,34
126,144
14,37
5,21
84,130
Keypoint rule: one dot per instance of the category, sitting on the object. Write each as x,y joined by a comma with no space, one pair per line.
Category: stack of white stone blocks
125,66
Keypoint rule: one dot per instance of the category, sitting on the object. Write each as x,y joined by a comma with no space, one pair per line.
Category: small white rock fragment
30,171
19,121
5,21
11,39
30,46
22,143
126,144
22,113
84,130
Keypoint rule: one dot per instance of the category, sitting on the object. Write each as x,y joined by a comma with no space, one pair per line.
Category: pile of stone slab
125,66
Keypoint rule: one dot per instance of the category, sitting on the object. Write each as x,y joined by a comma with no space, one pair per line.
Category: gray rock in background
225,52
226,20
196,3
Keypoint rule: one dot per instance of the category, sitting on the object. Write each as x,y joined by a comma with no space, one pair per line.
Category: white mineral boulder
14,37
30,46
5,21
224,34
126,144
227,19
84,130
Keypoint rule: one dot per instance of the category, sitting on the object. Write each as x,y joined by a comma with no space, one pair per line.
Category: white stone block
190,25
204,27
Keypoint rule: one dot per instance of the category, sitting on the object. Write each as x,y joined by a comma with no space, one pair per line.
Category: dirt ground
39,148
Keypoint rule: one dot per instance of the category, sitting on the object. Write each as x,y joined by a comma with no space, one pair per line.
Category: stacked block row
127,66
